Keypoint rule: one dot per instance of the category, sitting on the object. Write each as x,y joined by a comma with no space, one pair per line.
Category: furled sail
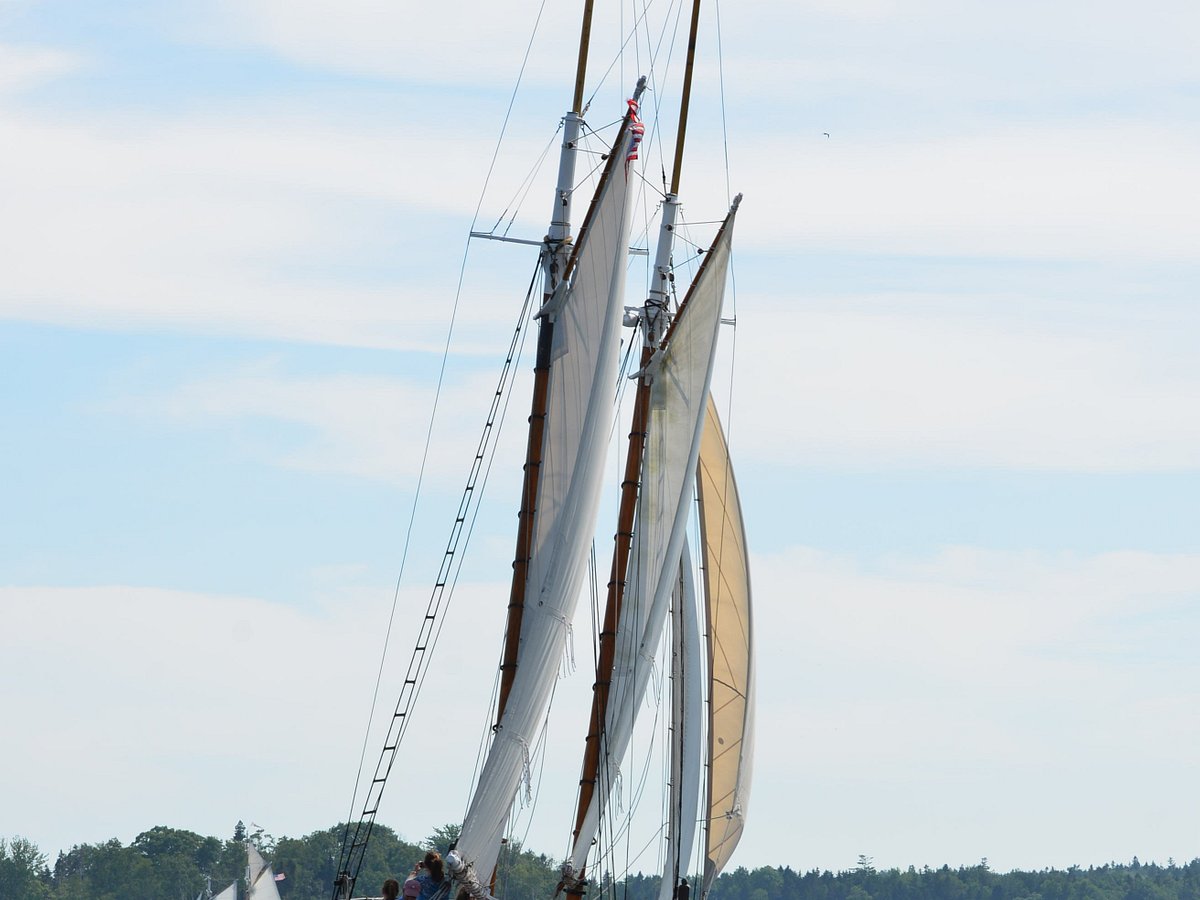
730,649
586,315
687,708
681,371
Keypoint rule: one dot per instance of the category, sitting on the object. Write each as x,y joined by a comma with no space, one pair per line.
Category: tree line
173,864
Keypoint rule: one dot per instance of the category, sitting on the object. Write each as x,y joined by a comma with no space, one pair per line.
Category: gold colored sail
730,648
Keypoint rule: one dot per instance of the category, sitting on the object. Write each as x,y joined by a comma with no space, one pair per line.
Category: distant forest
172,864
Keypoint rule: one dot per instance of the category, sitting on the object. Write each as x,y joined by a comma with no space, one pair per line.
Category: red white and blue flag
636,131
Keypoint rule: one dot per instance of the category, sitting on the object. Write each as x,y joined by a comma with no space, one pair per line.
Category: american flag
280,877
636,131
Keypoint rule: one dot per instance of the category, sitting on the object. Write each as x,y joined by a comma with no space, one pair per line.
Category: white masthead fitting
641,87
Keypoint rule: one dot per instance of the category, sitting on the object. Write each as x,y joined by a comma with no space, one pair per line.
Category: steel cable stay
357,835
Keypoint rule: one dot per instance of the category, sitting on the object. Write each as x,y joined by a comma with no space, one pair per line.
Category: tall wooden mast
652,322
555,252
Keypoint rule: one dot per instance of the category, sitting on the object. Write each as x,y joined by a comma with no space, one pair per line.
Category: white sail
230,893
264,887
254,863
687,708
731,650
260,877
586,317
681,372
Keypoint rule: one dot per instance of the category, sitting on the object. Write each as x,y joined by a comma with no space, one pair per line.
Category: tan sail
730,649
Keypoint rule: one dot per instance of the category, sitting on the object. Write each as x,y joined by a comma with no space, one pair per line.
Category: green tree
443,838
23,870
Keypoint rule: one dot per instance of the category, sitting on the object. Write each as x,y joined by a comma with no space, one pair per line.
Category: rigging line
732,272
721,83
508,112
486,731
523,189
670,55
652,186
594,614
353,850
498,413
617,57
638,789
433,413
629,862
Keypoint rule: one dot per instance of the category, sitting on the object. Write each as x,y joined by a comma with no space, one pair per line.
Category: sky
961,397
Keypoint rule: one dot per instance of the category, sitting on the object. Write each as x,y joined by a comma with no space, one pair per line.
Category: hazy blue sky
965,418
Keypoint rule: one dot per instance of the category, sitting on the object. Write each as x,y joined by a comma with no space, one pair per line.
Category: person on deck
433,879
391,889
682,891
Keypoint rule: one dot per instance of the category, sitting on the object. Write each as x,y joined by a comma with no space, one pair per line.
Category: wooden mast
687,95
630,484
554,257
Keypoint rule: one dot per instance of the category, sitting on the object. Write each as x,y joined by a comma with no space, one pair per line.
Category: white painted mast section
558,238
658,302
560,216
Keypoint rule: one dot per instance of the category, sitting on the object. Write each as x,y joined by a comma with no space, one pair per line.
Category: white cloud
144,706
1121,190
963,54
370,427
924,707
231,225
22,68
914,708
1015,382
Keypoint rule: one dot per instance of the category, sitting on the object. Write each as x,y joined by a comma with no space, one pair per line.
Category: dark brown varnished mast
556,250
615,598
652,322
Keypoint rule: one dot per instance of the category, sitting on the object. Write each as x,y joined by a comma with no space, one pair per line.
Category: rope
425,451
354,846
